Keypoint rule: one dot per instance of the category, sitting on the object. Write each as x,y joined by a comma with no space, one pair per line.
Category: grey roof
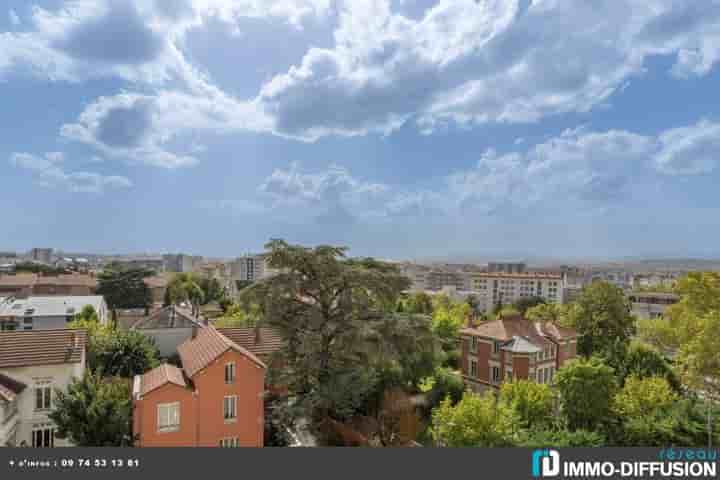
520,345
55,306
168,317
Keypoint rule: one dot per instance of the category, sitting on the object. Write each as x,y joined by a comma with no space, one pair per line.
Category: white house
43,313
32,365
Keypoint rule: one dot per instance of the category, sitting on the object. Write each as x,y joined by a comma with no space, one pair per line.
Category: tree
211,288
603,322
524,303
587,388
419,303
564,315
398,421
475,421
643,360
87,314
532,402
112,352
329,308
444,383
562,438
125,287
645,409
94,412
447,319
240,316
185,287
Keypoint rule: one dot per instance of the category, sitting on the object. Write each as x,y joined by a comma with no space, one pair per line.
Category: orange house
215,399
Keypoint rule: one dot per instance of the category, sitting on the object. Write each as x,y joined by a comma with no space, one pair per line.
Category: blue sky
400,128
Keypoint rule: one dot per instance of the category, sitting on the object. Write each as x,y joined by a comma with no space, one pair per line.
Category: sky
398,128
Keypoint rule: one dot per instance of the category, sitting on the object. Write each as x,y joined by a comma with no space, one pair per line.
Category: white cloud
14,18
49,172
691,150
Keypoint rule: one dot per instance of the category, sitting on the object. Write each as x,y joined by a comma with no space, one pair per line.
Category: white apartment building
32,365
251,268
506,288
47,313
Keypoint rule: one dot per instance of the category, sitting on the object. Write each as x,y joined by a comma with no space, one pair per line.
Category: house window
168,417
551,374
230,442
230,372
43,397
473,368
230,408
495,374
473,344
496,347
43,437
28,323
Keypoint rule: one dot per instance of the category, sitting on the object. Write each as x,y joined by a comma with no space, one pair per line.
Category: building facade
178,263
48,313
514,348
506,288
251,268
215,400
32,365
26,284
648,305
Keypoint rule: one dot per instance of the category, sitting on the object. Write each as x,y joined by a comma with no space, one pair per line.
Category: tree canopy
586,390
94,412
125,287
337,316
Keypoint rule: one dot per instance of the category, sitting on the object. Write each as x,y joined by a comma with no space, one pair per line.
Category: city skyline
211,127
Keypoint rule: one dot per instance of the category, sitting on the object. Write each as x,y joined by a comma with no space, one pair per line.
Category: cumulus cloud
49,172
690,150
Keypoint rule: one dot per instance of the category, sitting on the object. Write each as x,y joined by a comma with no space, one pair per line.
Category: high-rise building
42,255
251,268
507,288
178,263
506,267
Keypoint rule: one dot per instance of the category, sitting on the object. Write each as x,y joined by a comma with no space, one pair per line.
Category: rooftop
167,317
522,275
516,327
270,339
51,306
157,377
41,347
199,352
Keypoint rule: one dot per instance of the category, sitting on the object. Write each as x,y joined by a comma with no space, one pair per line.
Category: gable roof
159,376
270,339
10,388
168,317
209,344
521,345
41,347
520,330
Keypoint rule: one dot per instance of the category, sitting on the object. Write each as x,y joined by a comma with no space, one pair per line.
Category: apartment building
178,263
32,365
648,305
514,348
47,313
42,255
506,267
251,268
26,284
215,399
498,288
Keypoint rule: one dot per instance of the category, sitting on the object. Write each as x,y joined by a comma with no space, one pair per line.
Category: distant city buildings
506,267
647,305
251,268
26,284
42,255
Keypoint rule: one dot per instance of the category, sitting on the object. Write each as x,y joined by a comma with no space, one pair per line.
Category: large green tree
185,287
125,287
94,412
645,408
643,360
533,402
604,323
336,314
475,421
523,304
586,388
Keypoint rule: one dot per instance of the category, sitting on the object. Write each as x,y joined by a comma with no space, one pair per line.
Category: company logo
545,463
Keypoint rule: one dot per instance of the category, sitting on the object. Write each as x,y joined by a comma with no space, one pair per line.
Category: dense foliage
125,287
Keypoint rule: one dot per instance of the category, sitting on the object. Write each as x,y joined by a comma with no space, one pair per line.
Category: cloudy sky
401,128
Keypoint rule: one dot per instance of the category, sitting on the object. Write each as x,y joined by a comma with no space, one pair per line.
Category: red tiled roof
68,279
199,352
23,280
41,347
517,326
270,339
157,377
9,388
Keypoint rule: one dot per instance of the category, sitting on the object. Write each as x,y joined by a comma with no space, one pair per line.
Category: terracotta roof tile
157,377
270,339
41,347
199,352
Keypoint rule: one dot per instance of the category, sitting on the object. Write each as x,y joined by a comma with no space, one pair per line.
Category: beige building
507,288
